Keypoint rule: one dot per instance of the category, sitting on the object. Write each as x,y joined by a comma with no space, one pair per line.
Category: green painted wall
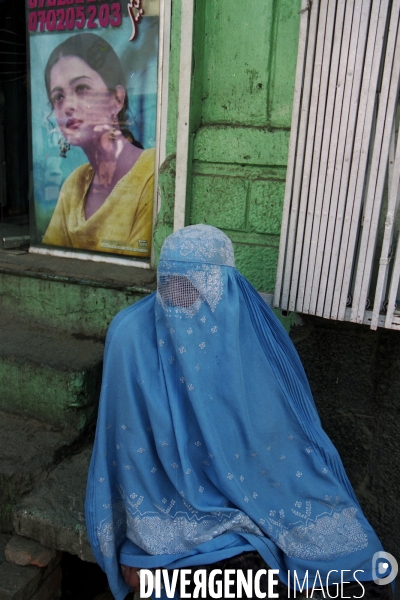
242,88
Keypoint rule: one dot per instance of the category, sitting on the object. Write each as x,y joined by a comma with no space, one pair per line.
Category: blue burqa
208,441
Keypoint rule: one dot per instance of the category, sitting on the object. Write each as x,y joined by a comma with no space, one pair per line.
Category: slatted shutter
339,188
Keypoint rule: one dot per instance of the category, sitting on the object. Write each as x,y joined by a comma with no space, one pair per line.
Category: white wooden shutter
343,137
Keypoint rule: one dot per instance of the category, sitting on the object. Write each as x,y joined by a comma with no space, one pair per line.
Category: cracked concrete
53,514
29,450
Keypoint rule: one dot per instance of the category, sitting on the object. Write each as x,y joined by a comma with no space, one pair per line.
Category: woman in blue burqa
209,451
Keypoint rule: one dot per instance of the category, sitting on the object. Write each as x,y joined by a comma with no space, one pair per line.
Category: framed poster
93,74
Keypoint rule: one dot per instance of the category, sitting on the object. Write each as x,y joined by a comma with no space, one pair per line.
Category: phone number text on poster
77,17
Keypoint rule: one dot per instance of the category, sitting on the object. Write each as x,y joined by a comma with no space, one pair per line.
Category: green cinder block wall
242,92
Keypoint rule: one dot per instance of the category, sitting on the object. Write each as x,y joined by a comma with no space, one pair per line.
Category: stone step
29,450
53,513
77,296
48,375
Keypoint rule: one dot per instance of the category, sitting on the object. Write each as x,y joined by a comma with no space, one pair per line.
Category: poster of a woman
93,136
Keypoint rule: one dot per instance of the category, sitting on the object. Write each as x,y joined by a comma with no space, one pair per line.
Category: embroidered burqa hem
208,441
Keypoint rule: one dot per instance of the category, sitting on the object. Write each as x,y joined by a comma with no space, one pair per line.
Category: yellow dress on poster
122,225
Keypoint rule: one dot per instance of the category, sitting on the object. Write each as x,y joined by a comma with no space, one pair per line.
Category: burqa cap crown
199,244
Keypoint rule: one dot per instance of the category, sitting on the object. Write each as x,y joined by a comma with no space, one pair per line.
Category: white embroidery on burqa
209,283
111,531
196,244
329,535
167,534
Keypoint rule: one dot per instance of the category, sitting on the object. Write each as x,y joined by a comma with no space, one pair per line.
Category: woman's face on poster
83,105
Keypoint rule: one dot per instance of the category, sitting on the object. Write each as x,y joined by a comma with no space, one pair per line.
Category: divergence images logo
384,568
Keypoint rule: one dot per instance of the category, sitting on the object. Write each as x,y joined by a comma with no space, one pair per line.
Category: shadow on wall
354,374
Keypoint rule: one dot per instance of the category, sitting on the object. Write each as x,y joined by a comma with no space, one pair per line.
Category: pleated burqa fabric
208,441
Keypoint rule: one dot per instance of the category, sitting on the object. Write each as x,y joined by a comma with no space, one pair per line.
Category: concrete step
77,296
48,375
53,513
29,450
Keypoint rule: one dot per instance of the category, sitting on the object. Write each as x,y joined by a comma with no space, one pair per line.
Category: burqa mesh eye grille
177,290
